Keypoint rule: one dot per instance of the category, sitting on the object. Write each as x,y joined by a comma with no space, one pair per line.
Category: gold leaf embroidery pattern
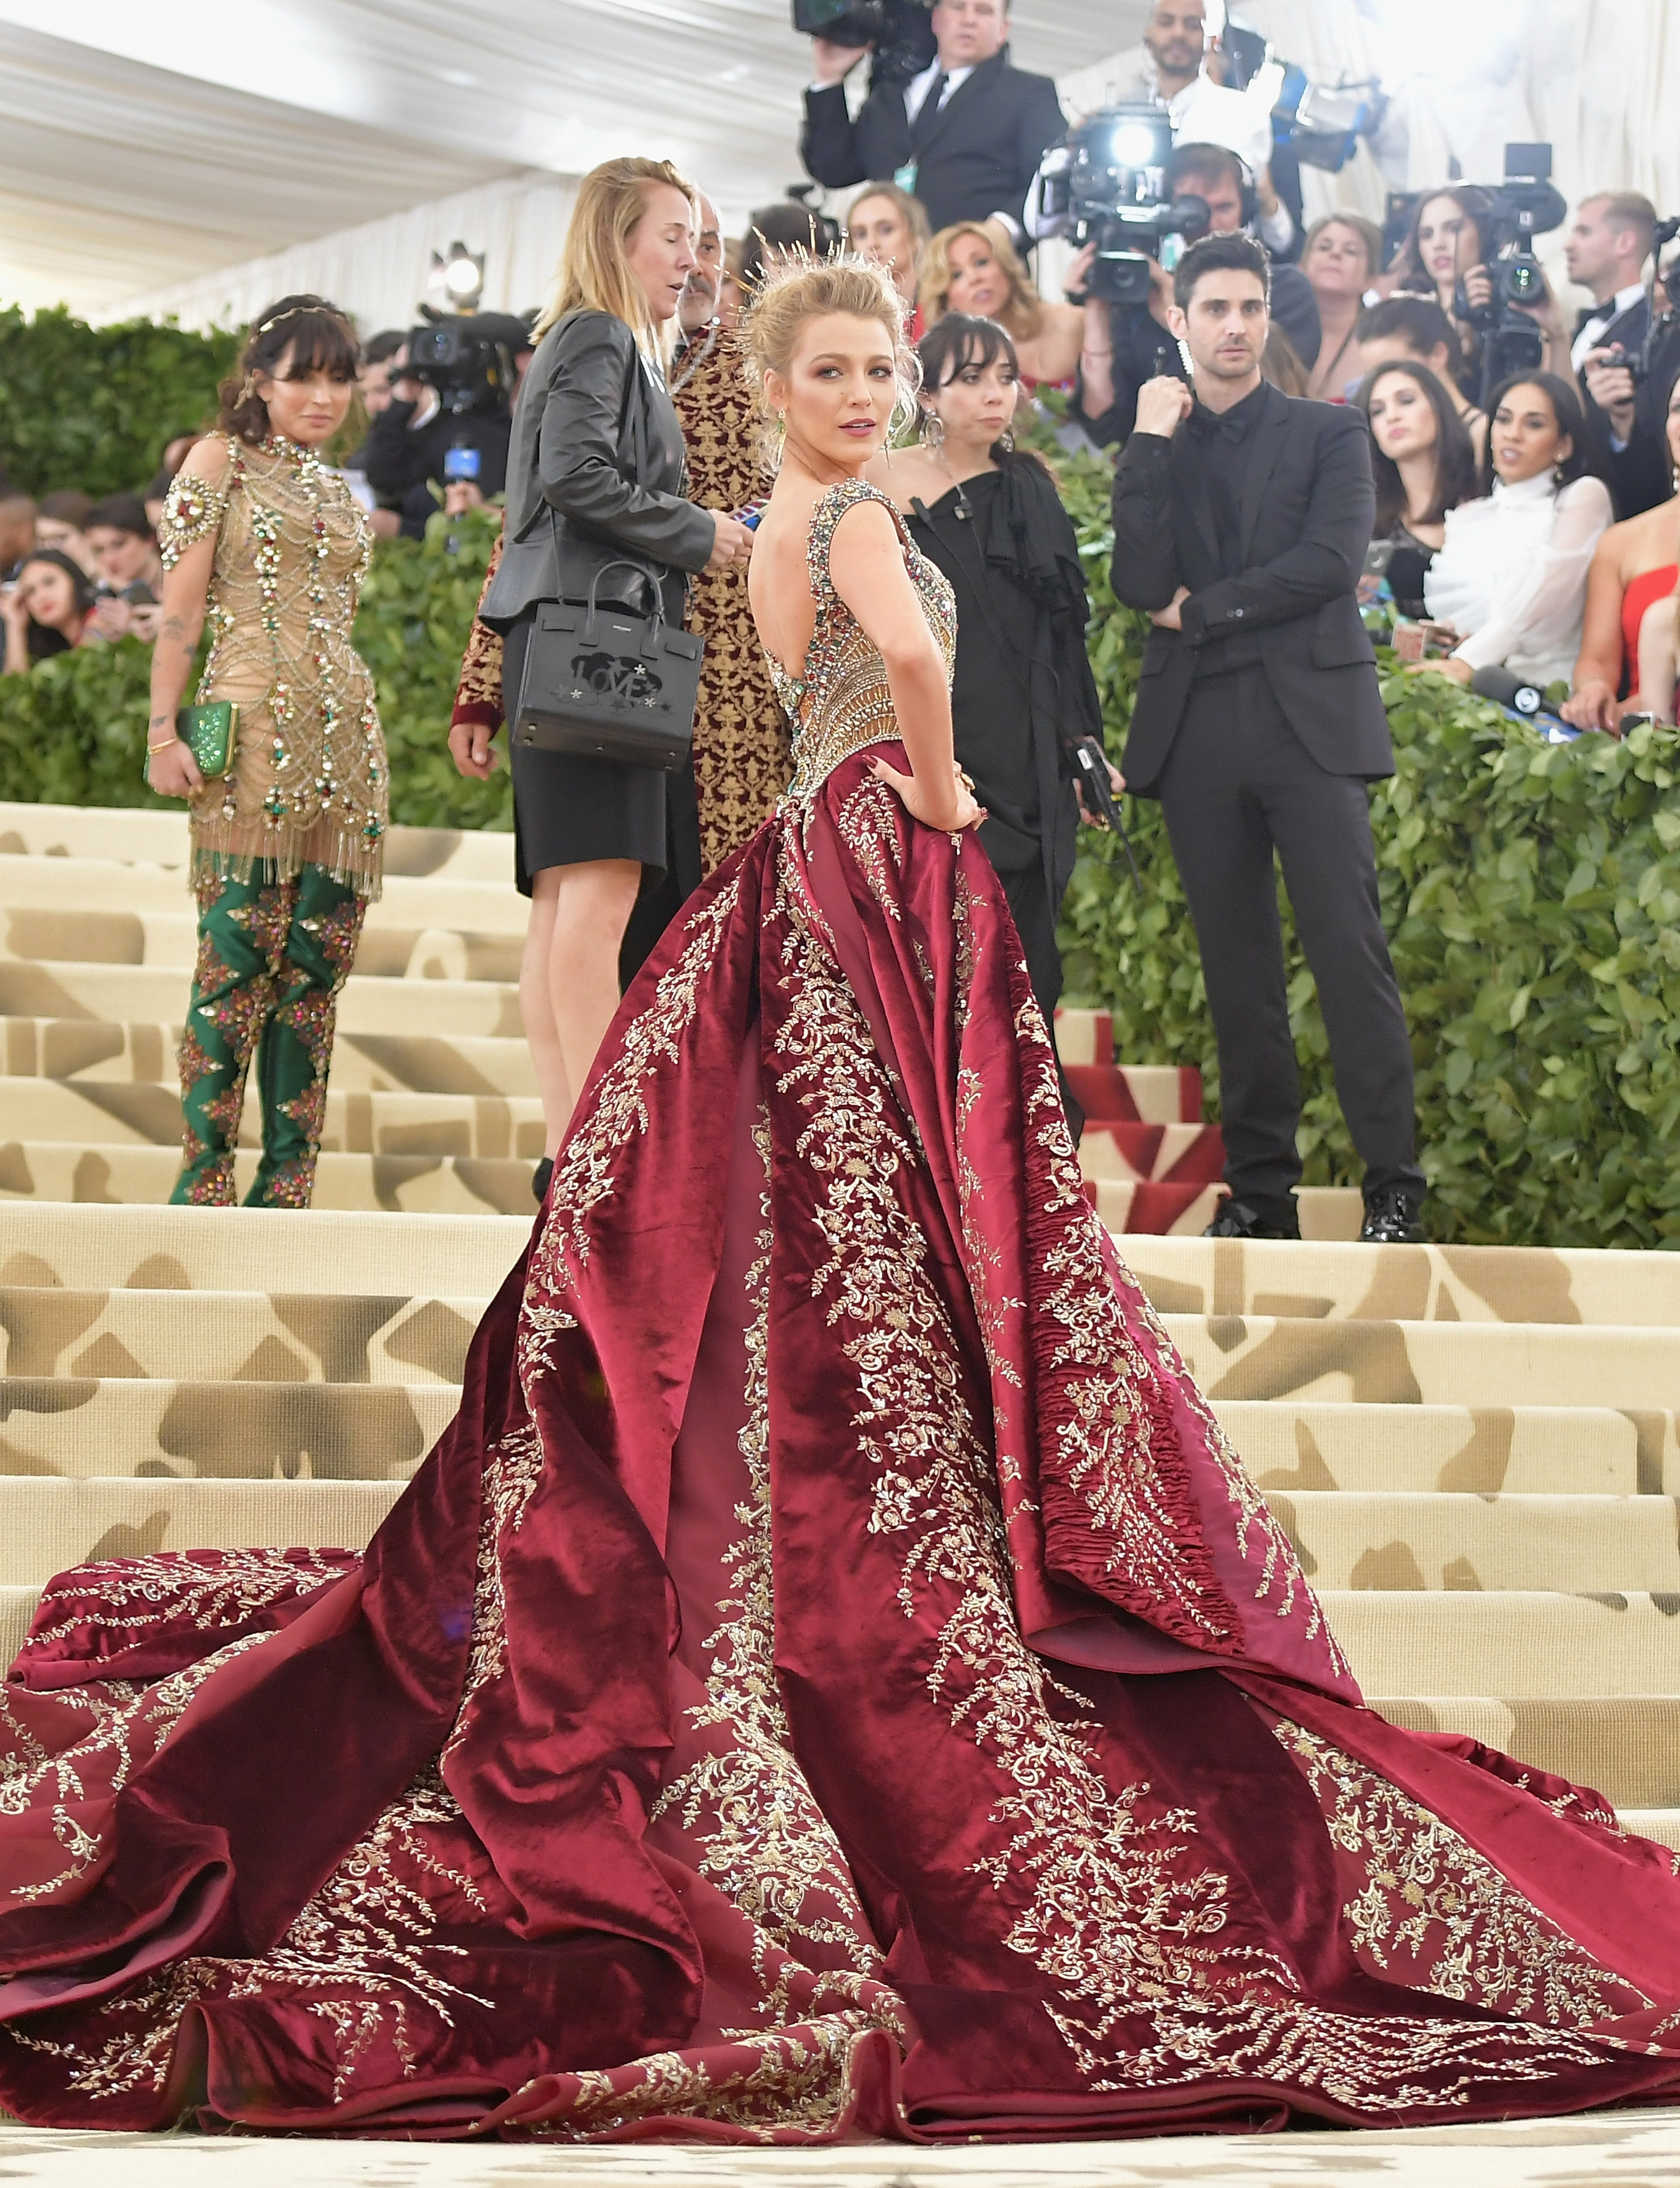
512,1469
1104,1891
584,1170
769,1847
1430,1900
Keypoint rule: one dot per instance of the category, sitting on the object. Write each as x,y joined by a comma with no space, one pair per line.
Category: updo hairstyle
321,339
790,296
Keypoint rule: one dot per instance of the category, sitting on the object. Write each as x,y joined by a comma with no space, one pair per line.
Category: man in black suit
966,136
1241,520
1605,251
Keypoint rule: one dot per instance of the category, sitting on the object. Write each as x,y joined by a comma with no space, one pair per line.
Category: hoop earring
932,432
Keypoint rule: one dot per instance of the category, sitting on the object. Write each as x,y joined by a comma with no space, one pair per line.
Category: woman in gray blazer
597,463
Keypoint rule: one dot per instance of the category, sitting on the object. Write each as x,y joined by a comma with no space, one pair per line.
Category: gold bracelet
165,745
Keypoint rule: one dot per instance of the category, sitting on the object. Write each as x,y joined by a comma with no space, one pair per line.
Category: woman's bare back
779,577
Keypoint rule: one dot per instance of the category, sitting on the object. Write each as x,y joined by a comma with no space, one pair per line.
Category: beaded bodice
291,552
841,702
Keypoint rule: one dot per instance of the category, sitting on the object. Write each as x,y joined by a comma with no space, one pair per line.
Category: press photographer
947,116
1119,184
1627,349
449,420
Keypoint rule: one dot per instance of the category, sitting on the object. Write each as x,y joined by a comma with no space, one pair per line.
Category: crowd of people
832,1677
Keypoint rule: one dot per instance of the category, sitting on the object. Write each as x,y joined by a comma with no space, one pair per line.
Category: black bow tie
1584,319
1204,424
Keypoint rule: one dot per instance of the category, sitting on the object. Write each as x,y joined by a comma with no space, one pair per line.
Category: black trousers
1239,786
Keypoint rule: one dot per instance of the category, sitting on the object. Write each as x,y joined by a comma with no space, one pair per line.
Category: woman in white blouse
1509,582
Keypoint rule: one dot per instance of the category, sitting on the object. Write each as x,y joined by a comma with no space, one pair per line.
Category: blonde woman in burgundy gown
833,1677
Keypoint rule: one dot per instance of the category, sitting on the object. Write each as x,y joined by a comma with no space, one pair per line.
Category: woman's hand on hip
732,542
469,749
173,771
946,810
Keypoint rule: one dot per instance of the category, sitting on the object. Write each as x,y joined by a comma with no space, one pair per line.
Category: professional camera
469,359
901,32
1321,124
1660,325
1108,184
1526,204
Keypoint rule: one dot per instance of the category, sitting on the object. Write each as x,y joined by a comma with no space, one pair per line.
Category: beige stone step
1327,1212
250,1337
112,993
46,1526
489,907
91,1050
1624,1746
171,939
155,838
1325,1281
431,1184
1574,1544
1486,1363
112,1113
148,1428
1575,1451
228,1249
1523,1643
1662,1824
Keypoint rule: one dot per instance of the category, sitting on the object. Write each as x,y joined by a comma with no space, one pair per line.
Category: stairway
1475,1449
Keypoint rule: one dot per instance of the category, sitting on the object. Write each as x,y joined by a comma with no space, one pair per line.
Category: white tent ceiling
146,142
199,156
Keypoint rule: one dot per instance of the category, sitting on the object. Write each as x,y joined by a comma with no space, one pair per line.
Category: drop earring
933,431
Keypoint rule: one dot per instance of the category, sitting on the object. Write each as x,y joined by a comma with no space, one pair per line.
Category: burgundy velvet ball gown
832,1677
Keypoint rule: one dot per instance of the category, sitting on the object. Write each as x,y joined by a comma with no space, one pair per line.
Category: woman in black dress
989,513
596,465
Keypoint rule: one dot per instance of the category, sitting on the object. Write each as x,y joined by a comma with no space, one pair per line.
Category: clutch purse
602,684
211,735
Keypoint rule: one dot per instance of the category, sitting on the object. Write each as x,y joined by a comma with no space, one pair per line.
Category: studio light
457,277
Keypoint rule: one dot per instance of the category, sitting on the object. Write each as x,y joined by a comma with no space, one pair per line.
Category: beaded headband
279,318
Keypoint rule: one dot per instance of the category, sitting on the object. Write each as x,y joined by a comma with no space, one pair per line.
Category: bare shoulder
210,459
864,529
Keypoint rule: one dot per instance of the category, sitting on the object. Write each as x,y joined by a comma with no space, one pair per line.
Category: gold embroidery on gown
741,757
309,785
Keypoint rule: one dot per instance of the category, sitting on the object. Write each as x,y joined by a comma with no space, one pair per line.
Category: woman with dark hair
48,609
1510,580
1448,244
988,515
1424,464
287,845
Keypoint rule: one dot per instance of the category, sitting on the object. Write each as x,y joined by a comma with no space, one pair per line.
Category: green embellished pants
273,955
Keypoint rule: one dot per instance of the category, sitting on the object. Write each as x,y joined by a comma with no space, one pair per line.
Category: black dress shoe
1241,1219
1391,1218
540,1180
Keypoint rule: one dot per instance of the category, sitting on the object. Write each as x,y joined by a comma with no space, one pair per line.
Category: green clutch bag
212,734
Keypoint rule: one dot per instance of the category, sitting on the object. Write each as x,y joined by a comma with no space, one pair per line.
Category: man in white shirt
965,135
1176,67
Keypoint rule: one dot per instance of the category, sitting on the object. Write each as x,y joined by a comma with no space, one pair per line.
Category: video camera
901,32
1638,361
1526,204
1108,184
468,359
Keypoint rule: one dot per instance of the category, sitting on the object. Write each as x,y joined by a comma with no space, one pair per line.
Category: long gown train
833,1677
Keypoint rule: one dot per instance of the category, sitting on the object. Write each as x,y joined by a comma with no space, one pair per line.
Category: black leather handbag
603,683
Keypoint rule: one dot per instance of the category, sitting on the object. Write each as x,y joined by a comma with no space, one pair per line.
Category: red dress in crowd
833,1677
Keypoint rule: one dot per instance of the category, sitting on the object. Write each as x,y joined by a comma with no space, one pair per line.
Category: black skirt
568,812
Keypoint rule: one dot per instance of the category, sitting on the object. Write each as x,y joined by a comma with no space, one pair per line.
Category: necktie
927,113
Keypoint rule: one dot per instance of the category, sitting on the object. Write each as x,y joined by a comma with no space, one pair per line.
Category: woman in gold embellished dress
287,848
833,1678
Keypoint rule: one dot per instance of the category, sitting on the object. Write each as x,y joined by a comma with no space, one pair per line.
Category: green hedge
73,731
95,406
1531,894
